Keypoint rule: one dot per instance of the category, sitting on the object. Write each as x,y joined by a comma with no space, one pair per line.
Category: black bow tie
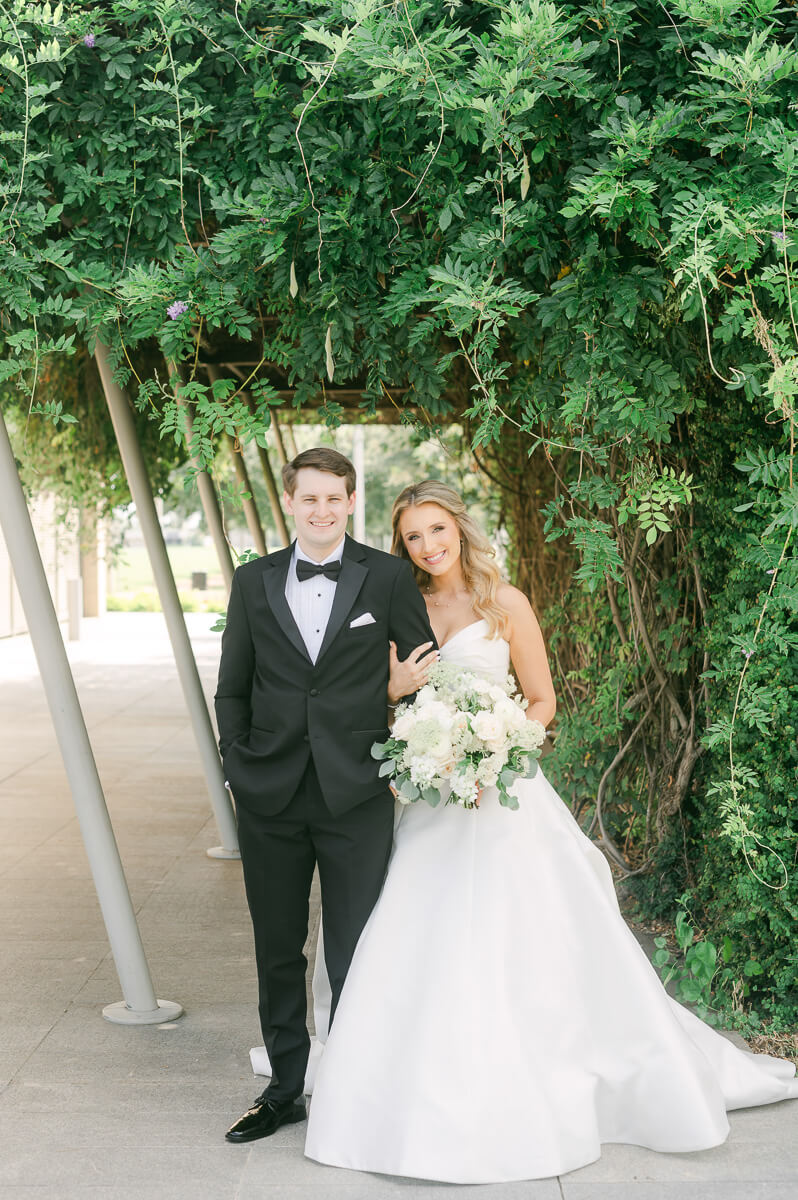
307,570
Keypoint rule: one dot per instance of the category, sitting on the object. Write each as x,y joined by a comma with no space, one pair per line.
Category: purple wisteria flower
89,40
778,235
176,310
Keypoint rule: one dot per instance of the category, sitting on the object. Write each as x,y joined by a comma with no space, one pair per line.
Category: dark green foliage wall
752,894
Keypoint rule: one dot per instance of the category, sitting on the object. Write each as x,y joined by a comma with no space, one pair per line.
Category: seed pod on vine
526,178
329,354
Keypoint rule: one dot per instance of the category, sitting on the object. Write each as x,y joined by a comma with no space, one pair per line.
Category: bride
499,1021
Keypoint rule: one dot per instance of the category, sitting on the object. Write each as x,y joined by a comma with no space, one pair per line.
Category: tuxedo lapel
274,577
350,581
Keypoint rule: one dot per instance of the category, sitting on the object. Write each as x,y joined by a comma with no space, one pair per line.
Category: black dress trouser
278,854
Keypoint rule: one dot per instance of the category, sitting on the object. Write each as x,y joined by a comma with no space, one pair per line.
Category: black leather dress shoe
265,1117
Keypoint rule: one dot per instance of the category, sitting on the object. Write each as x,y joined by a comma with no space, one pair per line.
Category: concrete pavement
93,1111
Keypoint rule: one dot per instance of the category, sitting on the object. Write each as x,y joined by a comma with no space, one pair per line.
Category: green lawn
131,586
131,571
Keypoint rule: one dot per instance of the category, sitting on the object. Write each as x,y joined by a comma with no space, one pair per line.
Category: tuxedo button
314,691
305,737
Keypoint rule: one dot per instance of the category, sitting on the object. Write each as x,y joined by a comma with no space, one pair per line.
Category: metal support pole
242,475
93,567
272,491
205,486
74,608
278,438
141,491
358,462
290,440
274,496
250,508
140,1006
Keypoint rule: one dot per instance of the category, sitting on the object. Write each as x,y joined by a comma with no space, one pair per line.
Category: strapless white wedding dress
499,1020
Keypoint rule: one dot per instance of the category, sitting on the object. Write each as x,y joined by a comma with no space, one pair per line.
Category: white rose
441,753
510,714
489,728
433,710
403,725
459,724
486,725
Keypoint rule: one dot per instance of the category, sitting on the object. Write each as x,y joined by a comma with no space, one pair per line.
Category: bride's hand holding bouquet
463,733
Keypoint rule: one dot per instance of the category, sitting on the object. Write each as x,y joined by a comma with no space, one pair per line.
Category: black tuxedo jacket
275,708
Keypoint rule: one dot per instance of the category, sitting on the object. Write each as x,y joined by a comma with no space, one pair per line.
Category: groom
302,695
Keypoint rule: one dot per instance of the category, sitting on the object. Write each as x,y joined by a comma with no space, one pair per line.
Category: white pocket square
363,619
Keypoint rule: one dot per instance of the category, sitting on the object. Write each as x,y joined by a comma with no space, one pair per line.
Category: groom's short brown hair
322,458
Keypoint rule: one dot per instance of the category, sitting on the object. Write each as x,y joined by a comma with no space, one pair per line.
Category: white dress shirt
311,600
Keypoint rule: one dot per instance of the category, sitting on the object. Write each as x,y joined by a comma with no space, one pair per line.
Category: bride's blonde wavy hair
477,556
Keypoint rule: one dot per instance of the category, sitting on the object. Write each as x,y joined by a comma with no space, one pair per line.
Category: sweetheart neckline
462,629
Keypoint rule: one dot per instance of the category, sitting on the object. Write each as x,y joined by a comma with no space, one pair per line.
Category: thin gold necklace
441,603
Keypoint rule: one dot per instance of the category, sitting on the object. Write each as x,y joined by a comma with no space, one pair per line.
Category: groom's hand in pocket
407,676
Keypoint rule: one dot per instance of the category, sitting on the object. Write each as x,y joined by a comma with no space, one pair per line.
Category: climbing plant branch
180,172
395,211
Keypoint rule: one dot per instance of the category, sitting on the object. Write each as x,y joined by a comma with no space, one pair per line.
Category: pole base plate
222,852
120,1014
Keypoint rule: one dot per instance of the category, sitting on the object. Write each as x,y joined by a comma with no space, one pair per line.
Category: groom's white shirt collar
336,555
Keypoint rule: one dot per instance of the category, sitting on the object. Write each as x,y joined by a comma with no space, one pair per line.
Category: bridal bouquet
463,733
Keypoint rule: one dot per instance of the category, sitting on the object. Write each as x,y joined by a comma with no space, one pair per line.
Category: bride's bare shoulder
517,607
512,599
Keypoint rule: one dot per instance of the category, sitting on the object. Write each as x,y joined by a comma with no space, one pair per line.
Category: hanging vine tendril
436,151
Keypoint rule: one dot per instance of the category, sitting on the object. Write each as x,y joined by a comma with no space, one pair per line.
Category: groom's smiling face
320,508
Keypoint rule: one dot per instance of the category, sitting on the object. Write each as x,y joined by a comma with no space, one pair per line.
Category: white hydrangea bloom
464,784
532,735
428,739
423,771
488,770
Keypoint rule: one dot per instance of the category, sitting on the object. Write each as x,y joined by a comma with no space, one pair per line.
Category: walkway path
92,1111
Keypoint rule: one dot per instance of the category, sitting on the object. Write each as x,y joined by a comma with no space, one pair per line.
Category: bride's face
431,537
